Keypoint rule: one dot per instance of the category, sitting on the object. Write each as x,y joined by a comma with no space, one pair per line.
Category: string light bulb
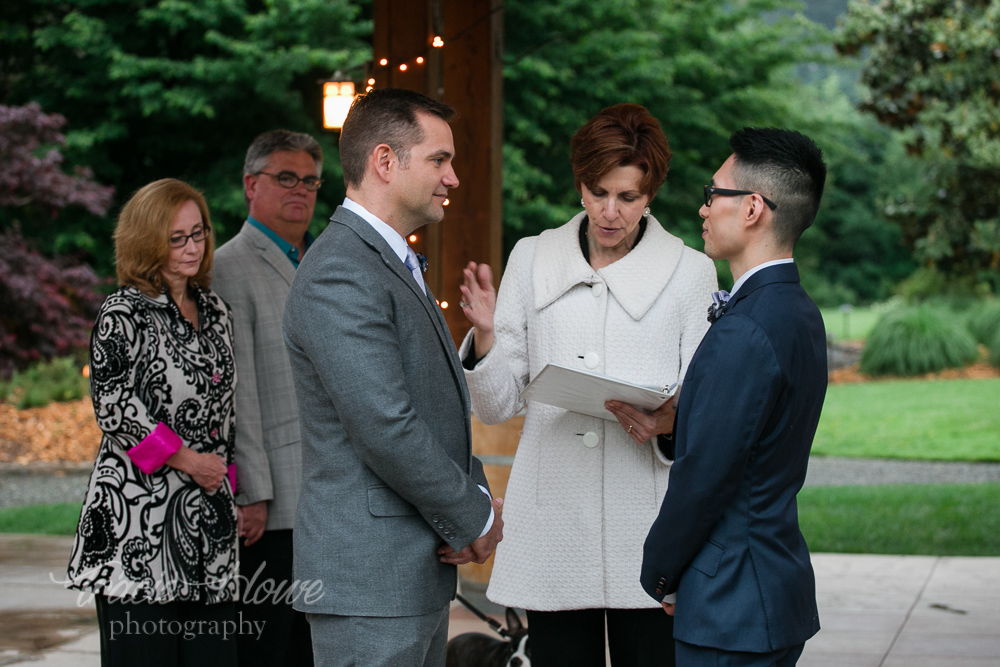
402,68
438,42
446,202
420,60
444,305
413,238
383,62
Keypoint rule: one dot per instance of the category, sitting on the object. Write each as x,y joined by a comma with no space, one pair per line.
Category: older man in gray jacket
392,498
253,273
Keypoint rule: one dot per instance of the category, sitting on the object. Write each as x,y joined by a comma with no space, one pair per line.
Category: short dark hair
384,116
619,136
786,167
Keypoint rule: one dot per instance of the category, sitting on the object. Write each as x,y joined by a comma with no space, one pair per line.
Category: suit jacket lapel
391,260
270,252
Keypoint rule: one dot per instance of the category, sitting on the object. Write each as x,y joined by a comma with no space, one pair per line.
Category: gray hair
280,140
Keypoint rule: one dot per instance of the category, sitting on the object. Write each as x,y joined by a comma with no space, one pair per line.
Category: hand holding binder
586,392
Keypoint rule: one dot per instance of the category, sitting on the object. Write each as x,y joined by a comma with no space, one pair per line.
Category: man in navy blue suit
727,539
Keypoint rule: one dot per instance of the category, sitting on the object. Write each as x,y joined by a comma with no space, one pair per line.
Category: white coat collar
635,280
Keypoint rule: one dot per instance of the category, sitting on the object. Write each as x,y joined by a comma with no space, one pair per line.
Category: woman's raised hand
479,300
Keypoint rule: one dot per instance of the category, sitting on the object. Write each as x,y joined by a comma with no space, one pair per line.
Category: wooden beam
466,72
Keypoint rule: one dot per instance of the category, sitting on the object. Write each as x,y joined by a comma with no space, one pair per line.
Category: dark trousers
636,638
689,655
175,634
266,567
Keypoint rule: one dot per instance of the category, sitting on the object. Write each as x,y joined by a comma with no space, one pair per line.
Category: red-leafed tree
46,305
31,172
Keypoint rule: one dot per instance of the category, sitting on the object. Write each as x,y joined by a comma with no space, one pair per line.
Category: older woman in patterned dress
156,542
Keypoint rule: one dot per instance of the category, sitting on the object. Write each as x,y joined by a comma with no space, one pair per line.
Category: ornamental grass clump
984,323
917,340
993,349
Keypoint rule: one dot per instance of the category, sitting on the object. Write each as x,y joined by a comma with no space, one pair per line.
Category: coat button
597,290
591,359
590,439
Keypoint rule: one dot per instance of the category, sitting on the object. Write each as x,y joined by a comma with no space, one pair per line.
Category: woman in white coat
611,292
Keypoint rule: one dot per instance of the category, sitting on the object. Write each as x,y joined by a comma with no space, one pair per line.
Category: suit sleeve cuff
154,450
489,522
663,446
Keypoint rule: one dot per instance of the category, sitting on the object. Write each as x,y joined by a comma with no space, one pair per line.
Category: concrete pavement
876,611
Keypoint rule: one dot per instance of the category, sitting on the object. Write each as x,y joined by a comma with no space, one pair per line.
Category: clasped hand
207,470
481,548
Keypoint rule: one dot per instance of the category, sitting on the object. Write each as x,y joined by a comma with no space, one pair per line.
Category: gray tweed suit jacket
388,474
253,276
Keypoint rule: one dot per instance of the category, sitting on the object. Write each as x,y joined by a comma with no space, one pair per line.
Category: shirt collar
746,276
391,236
290,251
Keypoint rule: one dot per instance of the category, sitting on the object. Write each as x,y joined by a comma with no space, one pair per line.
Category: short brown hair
619,136
141,247
384,116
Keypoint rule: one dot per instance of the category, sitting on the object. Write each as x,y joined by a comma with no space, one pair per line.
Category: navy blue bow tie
720,300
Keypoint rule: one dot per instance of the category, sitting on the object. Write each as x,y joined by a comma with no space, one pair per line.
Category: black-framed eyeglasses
711,190
287,179
181,240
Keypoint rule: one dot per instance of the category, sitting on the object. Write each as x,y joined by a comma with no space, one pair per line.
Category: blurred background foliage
906,114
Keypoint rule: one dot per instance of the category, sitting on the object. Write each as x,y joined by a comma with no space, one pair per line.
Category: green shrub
45,382
917,340
984,322
994,350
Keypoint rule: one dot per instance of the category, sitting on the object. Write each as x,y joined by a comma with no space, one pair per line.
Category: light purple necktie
414,266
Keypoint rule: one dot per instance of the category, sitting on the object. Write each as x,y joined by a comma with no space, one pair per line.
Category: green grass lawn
937,519
58,519
949,420
855,326
912,519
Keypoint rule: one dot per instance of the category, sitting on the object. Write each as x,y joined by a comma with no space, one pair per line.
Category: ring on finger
629,428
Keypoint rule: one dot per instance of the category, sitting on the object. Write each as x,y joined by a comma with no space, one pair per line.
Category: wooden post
465,72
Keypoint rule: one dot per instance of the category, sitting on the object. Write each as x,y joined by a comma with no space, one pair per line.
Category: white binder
586,392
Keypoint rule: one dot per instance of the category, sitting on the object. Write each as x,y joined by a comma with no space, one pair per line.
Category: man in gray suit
253,273
392,498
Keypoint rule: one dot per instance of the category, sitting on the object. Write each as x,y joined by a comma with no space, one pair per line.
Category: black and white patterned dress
158,537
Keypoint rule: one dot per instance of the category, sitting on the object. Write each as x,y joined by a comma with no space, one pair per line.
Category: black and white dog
474,649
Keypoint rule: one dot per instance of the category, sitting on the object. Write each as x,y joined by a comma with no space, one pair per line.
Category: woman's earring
583,203
645,212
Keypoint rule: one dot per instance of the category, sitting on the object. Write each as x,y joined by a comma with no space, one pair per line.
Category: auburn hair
619,136
142,233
